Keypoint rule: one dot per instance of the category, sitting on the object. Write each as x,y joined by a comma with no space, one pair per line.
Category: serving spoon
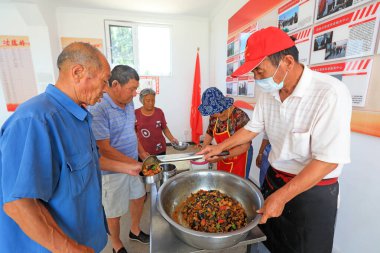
154,160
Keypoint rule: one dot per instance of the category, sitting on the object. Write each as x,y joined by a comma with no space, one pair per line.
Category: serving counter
163,240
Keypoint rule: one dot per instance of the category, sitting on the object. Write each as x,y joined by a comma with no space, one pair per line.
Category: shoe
142,237
121,250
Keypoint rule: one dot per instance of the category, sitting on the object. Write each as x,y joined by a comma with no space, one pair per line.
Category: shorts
117,190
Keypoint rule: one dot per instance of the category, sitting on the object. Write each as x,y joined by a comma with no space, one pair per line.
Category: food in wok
211,211
151,170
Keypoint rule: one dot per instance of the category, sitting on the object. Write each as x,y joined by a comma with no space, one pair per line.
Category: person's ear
77,72
114,83
289,62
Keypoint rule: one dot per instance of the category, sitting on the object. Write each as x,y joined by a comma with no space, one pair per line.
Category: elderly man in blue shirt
50,184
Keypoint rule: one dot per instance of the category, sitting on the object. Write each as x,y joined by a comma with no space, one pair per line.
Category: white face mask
268,84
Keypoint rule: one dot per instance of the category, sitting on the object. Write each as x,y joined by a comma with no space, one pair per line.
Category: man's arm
242,136
313,173
235,151
115,161
259,157
37,223
132,169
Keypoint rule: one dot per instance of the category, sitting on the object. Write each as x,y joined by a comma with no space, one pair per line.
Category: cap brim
247,67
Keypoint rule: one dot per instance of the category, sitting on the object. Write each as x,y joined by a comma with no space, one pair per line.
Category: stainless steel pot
151,179
168,170
178,188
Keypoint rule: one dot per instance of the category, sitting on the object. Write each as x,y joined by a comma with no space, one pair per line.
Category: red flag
195,116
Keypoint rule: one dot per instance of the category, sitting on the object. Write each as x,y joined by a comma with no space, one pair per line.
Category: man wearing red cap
306,116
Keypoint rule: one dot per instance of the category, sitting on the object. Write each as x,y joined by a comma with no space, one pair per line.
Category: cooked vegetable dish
151,170
213,211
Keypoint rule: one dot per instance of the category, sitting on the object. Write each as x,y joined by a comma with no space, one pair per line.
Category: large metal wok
178,188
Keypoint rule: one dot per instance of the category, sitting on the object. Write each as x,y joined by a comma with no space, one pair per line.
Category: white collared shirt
312,123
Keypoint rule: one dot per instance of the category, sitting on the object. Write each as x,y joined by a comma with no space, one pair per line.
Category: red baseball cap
260,44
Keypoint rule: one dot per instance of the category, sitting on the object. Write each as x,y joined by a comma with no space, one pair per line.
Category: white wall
27,21
188,33
358,223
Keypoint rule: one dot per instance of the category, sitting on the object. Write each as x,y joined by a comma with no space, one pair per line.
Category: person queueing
114,130
306,116
50,184
225,120
151,125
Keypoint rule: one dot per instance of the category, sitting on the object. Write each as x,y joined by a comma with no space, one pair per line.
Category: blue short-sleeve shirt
48,152
116,124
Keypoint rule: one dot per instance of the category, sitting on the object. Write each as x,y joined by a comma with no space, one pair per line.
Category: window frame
135,26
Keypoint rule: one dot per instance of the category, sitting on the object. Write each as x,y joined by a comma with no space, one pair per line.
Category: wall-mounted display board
355,74
240,27
348,36
326,9
16,70
243,86
97,43
340,40
303,44
296,14
151,82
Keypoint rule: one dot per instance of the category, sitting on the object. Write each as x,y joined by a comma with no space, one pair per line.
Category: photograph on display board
229,88
322,41
294,15
335,50
326,8
242,59
230,68
243,41
230,49
243,89
288,21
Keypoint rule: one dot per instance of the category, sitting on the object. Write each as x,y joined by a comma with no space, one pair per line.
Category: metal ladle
154,160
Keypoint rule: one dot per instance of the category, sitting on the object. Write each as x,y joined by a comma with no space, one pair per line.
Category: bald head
80,53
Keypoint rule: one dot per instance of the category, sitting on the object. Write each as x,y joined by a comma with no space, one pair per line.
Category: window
145,47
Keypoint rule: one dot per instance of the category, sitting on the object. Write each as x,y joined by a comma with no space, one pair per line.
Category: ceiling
199,8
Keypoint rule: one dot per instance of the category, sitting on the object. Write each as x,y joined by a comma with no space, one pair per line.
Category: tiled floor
136,247
133,246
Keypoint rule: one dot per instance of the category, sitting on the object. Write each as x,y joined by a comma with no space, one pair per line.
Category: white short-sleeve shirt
312,123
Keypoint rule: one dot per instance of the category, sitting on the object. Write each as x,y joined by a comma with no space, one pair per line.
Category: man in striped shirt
114,130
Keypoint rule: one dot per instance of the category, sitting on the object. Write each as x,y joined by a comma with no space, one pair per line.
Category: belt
286,177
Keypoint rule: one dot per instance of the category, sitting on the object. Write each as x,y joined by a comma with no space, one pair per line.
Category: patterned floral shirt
237,119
